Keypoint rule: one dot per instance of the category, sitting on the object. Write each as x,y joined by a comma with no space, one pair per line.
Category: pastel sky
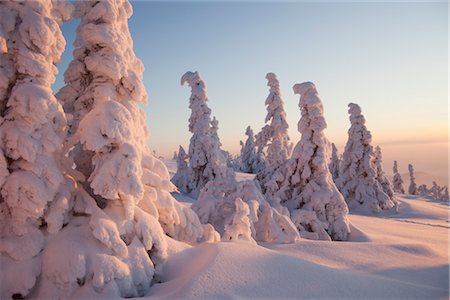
390,58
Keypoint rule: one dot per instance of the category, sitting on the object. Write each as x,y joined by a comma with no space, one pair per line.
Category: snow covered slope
393,256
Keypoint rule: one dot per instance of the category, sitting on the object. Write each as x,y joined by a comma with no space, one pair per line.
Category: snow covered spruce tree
180,179
304,184
381,177
122,212
206,160
249,163
274,135
397,180
358,175
335,162
412,189
34,191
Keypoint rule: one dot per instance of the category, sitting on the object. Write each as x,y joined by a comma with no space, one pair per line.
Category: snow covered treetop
272,80
200,118
310,99
198,86
355,114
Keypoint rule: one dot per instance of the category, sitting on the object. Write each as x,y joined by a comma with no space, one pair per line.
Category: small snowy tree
206,160
445,196
34,190
435,191
304,184
274,135
175,155
412,189
358,175
181,177
249,163
335,162
381,178
423,191
123,211
397,180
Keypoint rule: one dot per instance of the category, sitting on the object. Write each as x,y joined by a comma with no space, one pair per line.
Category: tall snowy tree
123,211
304,184
206,160
412,189
381,177
274,135
397,180
335,162
358,175
248,157
34,190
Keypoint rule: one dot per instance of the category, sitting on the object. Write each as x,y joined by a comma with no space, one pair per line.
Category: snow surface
388,256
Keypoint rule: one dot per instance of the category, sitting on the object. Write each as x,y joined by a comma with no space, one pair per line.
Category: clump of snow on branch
122,189
219,204
357,179
381,177
274,135
412,189
304,184
397,180
34,191
206,160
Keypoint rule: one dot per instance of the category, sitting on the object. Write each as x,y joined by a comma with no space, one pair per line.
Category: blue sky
391,58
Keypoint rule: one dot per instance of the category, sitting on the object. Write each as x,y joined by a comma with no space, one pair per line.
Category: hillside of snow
395,256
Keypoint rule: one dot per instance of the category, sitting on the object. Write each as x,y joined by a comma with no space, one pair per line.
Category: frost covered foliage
206,160
304,184
122,190
249,159
397,180
381,178
358,175
179,179
335,162
274,135
412,189
238,211
34,191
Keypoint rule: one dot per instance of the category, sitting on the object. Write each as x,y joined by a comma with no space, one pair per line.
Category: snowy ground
388,256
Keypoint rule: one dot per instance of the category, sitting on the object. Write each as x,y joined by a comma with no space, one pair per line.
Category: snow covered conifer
335,162
34,191
304,184
206,160
274,135
397,180
358,175
123,191
248,156
412,189
181,177
175,155
381,178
